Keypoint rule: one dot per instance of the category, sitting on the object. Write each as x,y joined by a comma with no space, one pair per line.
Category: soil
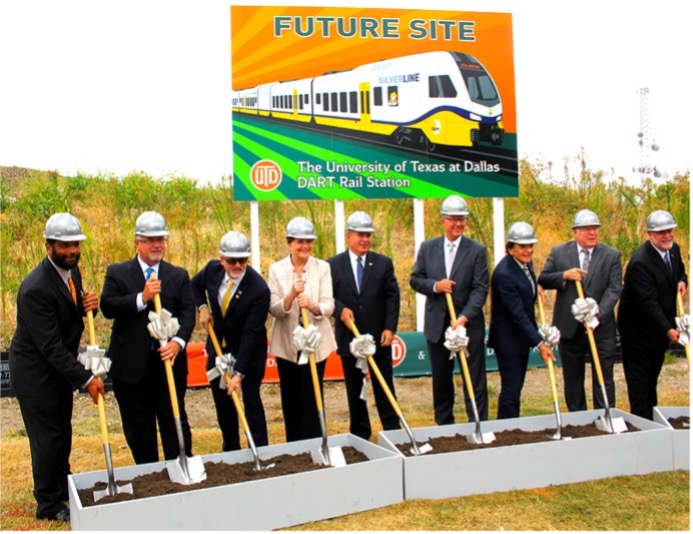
218,474
506,438
680,423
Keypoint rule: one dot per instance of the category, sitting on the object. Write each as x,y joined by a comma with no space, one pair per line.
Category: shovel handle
552,374
102,420
681,311
239,409
542,315
313,366
213,337
90,326
462,356
593,343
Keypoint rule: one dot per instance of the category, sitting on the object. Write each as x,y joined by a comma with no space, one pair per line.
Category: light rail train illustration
425,100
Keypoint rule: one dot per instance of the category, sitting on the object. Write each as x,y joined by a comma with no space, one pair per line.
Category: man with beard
138,371
646,316
44,369
239,301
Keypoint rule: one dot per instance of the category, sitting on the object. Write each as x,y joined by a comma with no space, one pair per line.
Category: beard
64,261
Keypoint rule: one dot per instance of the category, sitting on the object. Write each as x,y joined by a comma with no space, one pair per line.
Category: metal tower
645,138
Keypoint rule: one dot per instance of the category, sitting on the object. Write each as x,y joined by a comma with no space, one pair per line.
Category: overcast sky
103,86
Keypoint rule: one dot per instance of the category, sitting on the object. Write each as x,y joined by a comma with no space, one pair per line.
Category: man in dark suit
137,370
646,319
513,330
44,370
239,299
599,268
457,265
366,292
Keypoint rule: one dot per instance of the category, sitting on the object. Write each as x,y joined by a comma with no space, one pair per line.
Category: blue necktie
148,273
359,271
667,260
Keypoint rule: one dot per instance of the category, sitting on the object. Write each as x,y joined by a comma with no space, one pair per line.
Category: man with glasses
235,300
646,318
137,370
598,266
458,265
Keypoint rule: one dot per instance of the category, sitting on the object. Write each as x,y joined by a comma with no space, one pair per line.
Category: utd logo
266,175
399,351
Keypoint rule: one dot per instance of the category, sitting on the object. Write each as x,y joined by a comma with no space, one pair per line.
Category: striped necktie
226,298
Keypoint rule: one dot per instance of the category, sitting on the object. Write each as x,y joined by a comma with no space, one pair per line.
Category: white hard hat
151,224
660,220
234,245
454,205
359,221
585,218
521,233
300,228
63,227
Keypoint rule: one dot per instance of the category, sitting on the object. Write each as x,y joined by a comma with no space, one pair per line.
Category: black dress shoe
62,515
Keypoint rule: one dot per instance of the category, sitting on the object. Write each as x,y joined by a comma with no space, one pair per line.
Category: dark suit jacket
469,271
375,309
130,339
513,324
648,300
243,326
43,351
602,283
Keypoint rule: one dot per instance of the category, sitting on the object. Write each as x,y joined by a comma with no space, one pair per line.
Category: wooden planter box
437,476
265,504
681,442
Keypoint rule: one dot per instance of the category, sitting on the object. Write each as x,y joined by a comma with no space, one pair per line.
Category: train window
325,102
392,95
343,102
306,98
377,96
353,102
482,90
317,98
333,101
300,102
441,87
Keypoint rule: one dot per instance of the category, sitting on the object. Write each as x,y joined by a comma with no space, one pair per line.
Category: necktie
667,260
586,259
529,277
73,291
226,298
449,258
148,273
359,272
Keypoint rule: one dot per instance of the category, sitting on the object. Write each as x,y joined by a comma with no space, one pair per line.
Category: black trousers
512,366
574,353
642,366
442,368
48,422
300,411
228,417
148,403
359,421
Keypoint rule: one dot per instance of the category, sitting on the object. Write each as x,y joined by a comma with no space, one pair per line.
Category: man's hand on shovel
94,358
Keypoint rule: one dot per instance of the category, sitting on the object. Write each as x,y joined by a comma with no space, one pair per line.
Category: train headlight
500,117
474,117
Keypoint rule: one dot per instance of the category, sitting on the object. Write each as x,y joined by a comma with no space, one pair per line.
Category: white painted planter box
535,465
682,438
265,504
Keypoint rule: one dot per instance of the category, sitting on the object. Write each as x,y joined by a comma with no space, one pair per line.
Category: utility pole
645,138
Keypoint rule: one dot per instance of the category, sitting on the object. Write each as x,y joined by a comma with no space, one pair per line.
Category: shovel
415,449
112,488
681,312
183,470
552,375
325,455
477,437
613,425
237,403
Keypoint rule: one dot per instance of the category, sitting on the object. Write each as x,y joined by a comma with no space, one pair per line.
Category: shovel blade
618,425
186,471
125,488
481,438
422,449
334,456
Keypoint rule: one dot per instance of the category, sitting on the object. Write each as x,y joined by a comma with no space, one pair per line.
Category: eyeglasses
233,261
151,240
454,220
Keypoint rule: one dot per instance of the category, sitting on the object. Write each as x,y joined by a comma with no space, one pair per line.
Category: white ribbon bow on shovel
94,360
306,340
550,335
162,326
684,328
223,365
456,340
586,311
362,347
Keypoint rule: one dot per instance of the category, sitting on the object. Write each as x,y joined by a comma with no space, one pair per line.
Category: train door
365,106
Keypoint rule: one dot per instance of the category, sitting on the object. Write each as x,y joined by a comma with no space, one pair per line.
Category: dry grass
654,502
